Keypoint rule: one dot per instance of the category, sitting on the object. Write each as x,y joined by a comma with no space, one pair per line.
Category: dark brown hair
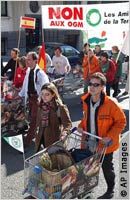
99,76
16,50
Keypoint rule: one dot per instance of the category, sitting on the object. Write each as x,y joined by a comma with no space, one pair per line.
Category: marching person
108,68
53,119
90,65
60,63
103,117
115,85
84,52
12,64
98,51
34,80
20,73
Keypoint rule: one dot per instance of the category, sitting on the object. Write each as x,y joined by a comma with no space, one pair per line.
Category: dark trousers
108,171
33,106
108,87
115,86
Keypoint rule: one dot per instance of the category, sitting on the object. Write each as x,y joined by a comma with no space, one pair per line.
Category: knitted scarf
46,107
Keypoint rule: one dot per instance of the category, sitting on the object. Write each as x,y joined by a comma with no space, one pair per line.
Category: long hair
52,88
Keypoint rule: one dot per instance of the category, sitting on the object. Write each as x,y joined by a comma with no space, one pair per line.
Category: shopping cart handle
109,143
74,129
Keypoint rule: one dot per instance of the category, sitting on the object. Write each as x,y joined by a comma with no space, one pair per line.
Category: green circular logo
16,142
90,12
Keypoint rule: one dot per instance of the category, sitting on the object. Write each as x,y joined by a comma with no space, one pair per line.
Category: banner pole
19,35
42,29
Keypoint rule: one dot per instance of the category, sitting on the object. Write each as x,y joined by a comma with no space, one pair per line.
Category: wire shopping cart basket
58,173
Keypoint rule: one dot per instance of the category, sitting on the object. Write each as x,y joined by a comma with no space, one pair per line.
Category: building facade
27,39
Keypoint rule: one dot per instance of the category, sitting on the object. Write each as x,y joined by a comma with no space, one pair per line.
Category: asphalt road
12,165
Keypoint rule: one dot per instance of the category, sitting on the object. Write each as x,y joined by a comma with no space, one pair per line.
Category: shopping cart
57,80
75,181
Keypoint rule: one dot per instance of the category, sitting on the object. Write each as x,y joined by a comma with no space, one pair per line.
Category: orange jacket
93,65
110,120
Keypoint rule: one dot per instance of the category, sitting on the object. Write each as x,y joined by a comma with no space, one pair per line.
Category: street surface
12,165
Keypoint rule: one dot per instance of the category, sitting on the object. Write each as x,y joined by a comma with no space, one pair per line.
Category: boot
107,195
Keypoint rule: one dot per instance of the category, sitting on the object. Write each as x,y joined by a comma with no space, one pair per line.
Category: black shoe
114,94
107,195
125,93
118,91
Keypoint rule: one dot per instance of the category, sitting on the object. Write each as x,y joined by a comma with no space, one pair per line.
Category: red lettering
78,13
52,13
57,23
75,24
66,13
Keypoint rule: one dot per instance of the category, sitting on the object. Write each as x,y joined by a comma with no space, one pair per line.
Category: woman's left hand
63,137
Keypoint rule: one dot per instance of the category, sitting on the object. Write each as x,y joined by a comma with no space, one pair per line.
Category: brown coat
57,126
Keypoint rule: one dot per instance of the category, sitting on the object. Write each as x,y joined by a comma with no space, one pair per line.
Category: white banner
107,16
86,17
106,38
125,48
63,17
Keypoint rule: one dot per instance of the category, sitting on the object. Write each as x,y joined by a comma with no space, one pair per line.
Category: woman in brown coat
53,119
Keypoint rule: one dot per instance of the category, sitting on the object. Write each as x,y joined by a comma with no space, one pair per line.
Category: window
4,8
34,6
3,46
68,51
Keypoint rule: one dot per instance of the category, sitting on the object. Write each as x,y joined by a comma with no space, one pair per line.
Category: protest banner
103,26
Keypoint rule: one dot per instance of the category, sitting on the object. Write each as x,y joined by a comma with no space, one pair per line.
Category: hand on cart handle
63,138
107,141
80,130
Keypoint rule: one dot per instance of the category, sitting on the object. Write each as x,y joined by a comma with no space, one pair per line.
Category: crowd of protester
103,115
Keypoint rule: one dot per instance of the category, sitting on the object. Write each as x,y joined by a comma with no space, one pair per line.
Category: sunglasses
94,84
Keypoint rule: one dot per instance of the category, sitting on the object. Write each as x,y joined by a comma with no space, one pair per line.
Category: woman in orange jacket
104,117
90,65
